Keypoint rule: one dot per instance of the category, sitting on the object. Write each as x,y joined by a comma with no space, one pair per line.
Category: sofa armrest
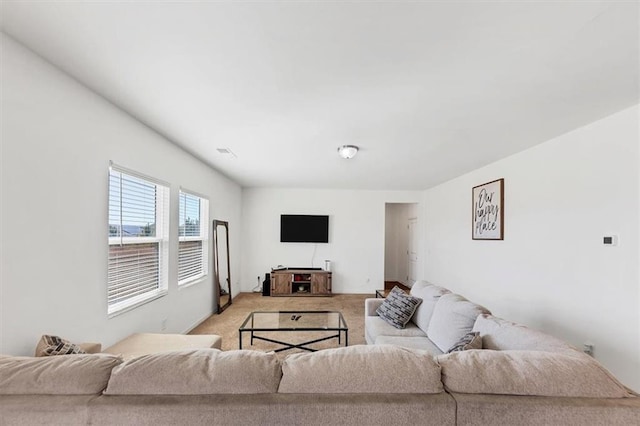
91,348
371,305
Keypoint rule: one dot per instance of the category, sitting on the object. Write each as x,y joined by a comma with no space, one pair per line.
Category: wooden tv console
300,282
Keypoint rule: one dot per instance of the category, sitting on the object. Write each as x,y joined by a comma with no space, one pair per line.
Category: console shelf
300,282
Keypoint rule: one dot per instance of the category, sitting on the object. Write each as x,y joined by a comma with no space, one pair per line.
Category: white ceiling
428,90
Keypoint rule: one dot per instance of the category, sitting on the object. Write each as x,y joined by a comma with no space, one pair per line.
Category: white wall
57,140
356,234
552,271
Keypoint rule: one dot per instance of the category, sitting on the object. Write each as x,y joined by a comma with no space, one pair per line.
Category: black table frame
339,330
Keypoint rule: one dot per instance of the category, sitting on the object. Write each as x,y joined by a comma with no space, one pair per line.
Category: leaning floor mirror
221,265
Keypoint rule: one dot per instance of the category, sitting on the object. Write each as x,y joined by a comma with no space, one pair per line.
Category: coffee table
266,322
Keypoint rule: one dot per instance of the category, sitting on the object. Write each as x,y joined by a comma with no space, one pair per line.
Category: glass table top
294,320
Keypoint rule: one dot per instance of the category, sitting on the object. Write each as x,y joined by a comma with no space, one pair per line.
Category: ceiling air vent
226,151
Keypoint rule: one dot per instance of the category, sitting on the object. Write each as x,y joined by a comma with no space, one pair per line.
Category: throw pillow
54,345
398,308
452,318
471,340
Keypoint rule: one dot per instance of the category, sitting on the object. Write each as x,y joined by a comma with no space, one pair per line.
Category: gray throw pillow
471,340
398,308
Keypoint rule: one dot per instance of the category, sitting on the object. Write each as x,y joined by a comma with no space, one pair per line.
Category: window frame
204,237
162,218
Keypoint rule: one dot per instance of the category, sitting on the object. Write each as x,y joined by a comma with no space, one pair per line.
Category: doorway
401,254
412,249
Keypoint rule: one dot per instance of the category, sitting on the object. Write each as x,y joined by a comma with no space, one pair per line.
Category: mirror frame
216,266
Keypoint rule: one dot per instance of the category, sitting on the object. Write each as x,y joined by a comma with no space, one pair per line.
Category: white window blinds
138,235
193,234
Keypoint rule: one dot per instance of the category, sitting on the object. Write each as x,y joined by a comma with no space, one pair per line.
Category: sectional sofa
522,377
439,321
443,317
365,384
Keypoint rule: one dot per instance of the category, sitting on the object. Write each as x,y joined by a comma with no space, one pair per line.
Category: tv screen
296,228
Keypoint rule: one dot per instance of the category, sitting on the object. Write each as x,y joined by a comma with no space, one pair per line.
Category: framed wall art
487,218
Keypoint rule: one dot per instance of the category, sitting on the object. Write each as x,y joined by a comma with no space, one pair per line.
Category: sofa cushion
361,369
429,294
139,344
499,334
528,373
197,372
81,374
398,308
421,343
471,340
453,317
376,326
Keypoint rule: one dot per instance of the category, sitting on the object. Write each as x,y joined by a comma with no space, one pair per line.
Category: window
193,235
138,239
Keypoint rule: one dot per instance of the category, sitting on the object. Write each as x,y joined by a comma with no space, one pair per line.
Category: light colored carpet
227,323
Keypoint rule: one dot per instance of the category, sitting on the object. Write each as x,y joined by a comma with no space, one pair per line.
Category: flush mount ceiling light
347,151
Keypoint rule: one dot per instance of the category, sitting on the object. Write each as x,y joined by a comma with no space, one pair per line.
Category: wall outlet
163,325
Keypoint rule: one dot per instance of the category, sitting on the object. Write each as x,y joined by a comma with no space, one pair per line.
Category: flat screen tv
296,228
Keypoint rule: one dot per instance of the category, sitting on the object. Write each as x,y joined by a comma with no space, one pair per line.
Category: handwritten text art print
488,211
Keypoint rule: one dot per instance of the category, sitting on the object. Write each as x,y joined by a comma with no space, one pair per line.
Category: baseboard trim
197,323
